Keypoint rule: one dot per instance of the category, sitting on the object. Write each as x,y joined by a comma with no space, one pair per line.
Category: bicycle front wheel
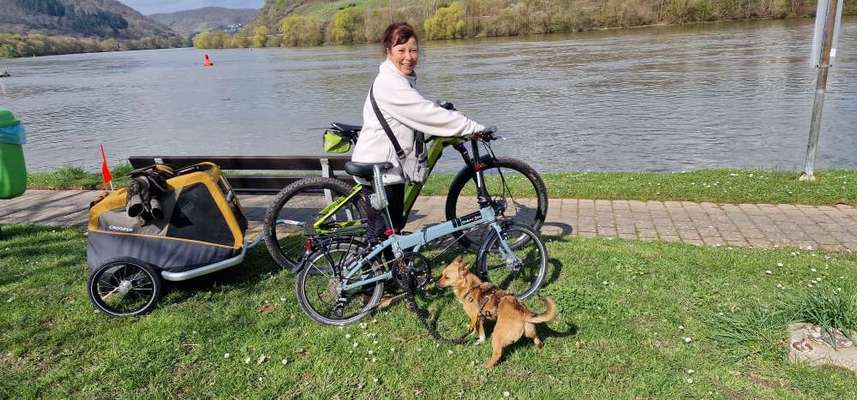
520,270
508,180
318,286
326,202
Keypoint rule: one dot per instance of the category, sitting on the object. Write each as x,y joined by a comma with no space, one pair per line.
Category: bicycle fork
512,261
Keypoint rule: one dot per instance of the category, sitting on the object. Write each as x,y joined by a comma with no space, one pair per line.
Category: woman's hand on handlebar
486,135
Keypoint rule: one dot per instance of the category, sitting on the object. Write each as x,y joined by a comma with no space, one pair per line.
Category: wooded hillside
39,27
313,22
189,22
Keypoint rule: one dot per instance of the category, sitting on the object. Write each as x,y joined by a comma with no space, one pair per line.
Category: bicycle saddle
346,127
365,170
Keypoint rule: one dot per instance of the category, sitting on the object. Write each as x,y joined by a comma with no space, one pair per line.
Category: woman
405,111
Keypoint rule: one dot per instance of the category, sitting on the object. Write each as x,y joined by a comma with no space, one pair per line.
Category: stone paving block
832,247
708,231
627,236
662,221
567,204
823,239
753,234
680,218
769,228
670,238
652,234
759,242
689,235
750,208
713,241
665,230
695,242
847,210
832,227
621,205
788,227
626,229
604,205
685,225
731,235
843,236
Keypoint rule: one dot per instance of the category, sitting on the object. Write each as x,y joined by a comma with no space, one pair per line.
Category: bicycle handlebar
487,135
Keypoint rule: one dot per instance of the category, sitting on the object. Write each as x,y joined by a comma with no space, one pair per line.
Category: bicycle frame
400,243
412,189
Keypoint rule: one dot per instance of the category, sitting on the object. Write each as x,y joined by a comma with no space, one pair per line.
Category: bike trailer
194,221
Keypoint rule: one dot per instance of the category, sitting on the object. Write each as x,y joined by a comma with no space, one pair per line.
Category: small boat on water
5,74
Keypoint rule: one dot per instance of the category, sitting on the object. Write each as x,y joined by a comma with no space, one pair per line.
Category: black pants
396,198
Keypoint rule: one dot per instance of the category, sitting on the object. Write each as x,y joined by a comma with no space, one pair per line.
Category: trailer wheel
125,287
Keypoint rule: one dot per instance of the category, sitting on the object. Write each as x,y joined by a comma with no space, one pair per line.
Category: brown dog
484,300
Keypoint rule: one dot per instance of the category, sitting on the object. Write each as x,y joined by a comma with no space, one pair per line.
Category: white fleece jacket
405,111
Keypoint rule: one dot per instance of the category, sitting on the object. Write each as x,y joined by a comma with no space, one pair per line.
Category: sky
147,7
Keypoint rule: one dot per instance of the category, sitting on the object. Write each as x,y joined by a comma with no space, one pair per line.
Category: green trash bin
13,171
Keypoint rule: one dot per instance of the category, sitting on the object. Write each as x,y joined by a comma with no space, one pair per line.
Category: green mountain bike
329,204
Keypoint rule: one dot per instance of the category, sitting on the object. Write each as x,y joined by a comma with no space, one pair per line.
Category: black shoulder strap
399,152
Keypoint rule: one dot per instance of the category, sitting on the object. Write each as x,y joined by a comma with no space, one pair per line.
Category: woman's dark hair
396,34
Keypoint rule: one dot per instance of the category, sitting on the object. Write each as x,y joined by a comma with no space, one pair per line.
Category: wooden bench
259,174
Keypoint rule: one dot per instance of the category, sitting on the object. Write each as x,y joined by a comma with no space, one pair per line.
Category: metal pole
820,88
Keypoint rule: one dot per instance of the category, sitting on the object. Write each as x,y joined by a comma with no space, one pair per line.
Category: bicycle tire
300,202
316,270
532,217
492,269
129,279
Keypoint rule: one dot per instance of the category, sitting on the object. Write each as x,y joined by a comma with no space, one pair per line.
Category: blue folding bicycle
342,278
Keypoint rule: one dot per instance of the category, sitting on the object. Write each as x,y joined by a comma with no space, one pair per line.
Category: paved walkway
756,225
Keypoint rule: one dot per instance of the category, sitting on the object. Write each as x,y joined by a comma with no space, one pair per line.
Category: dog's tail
548,315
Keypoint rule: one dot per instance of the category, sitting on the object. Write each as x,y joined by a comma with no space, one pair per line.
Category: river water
650,99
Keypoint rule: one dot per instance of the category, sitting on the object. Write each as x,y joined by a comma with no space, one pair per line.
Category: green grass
713,185
76,178
625,309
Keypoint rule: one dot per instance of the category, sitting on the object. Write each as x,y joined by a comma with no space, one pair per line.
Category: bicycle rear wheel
318,282
523,271
508,180
305,202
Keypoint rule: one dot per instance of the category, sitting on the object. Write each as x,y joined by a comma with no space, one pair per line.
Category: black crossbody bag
414,169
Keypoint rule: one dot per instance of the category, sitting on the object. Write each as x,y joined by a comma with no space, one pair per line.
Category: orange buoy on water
206,62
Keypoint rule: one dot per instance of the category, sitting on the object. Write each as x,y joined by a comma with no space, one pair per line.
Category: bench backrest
262,174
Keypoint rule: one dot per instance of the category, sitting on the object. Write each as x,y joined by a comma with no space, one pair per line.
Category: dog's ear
458,259
462,268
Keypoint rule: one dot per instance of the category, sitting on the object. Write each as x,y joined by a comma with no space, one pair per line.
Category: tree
260,36
301,31
240,41
446,23
346,26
